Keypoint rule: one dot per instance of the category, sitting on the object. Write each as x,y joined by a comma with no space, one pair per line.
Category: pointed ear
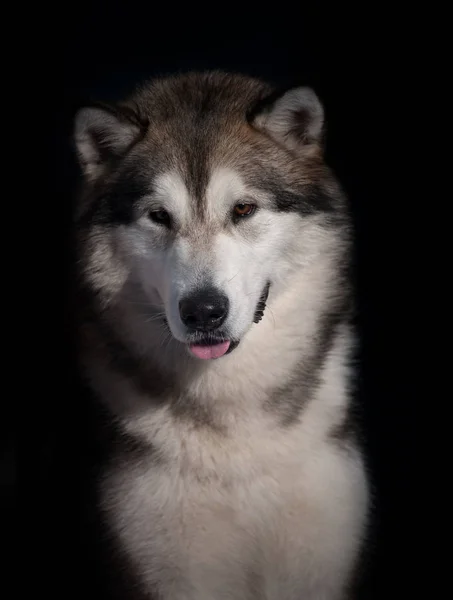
103,133
295,118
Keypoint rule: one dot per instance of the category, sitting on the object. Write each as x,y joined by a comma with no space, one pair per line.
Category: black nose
205,310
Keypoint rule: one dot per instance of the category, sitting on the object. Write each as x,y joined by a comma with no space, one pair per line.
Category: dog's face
201,196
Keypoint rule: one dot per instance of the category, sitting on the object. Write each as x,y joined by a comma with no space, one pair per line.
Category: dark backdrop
101,52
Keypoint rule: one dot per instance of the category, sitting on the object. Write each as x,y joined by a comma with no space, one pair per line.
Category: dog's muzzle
212,347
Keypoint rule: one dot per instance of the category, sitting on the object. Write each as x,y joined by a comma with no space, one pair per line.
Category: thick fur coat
215,305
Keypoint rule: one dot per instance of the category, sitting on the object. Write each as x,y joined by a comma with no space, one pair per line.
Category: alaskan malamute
213,248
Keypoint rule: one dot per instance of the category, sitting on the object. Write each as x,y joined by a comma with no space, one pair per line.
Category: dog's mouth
261,304
216,346
209,349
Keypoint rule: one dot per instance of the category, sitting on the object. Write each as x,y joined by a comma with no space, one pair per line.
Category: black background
100,52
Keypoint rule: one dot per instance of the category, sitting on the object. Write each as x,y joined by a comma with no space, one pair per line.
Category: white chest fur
256,513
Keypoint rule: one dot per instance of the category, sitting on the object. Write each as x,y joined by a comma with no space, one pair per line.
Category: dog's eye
161,217
244,210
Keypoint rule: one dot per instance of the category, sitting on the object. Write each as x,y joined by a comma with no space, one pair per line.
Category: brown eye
161,217
244,210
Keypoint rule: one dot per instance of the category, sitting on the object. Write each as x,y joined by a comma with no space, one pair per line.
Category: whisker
157,317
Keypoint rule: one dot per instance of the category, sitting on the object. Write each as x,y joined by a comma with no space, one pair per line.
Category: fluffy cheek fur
103,264
245,262
149,261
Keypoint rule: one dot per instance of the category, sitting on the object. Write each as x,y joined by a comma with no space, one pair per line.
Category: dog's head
201,193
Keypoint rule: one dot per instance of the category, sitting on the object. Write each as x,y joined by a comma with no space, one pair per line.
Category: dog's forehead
199,128
213,157
196,97
223,186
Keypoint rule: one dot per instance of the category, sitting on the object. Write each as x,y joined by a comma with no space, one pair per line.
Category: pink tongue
207,352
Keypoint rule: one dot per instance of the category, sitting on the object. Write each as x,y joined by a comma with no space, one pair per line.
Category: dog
215,327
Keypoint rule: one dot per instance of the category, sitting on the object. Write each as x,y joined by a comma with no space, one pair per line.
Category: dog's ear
103,133
294,118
